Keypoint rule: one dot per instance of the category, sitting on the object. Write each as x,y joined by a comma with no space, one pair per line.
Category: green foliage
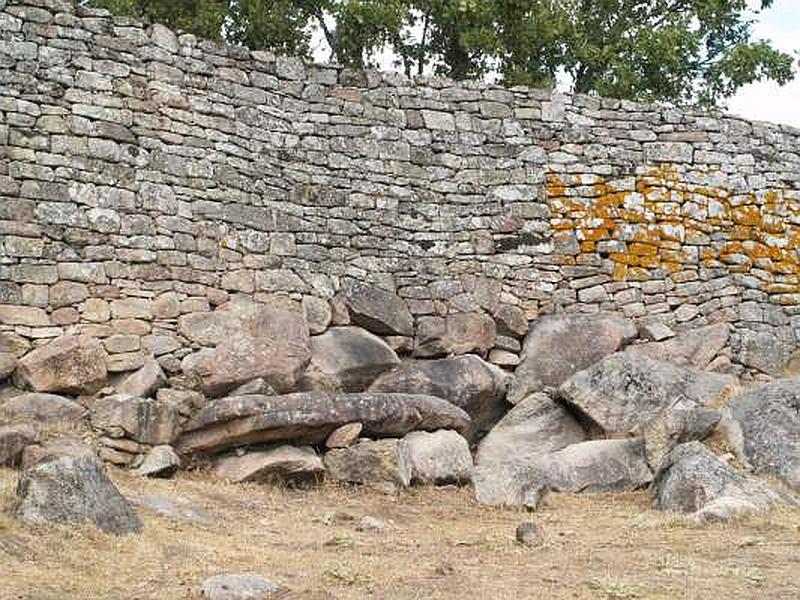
681,51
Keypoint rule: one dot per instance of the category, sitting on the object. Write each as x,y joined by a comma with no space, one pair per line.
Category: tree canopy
681,51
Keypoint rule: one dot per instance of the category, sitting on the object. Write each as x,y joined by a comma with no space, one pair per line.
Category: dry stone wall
146,175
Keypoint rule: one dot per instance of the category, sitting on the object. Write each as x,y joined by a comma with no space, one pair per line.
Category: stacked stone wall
147,175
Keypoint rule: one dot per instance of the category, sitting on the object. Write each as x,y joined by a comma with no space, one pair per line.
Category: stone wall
146,175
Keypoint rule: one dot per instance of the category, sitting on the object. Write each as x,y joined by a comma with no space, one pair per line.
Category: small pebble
529,534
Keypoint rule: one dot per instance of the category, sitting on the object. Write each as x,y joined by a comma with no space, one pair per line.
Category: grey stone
13,440
317,313
693,348
160,461
69,364
73,489
287,464
35,454
238,587
374,463
466,381
8,362
310,418
558,346
346,359
529,534
693,480
439,457
41,409
142,419
145,382
671,428
625,390
344,436
768,418
460,333
377,310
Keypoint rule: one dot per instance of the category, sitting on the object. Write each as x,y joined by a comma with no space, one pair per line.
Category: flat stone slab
310,417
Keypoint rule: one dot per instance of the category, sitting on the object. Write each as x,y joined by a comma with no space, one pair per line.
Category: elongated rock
288,464
69,364
309,418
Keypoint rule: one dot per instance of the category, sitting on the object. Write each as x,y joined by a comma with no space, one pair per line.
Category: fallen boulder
41,409
309,417
460,333
239,587
286,464
145,382
558,346
692,479
377,310
694,348
768,418
69,364
346,359
144,420
469,382
160,461
369,462
13,440
434,458
73,489
625,390
671,428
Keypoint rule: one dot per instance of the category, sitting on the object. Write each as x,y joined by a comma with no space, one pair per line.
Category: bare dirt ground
438,544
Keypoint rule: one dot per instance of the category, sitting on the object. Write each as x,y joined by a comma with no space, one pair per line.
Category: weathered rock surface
372,462
145,382
625,390
8,362
288,464
160,461
769,420
460,333
238,587
346,359
144,420
438,457
558,346
310,417
69,364
466,381
57,448
671,428
344,436
72,490
694,348
594,466
13,440
41,409
377,310
692,479
279,360
535,426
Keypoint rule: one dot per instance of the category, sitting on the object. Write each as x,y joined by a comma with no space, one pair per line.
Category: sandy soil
438,544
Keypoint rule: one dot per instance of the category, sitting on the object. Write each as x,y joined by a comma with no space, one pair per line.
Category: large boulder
768,420
673,427
377,310
57,448
694,348
625,390
460,333
13,440
346,359
145,382
73,489
558,346
692,479
286,464
42,409
535,426
144,420
371,462
438,457
469,382
309,417
241,318
277,350
593,466
69,364
772,351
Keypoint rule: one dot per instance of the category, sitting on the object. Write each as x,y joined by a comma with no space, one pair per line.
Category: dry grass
439,544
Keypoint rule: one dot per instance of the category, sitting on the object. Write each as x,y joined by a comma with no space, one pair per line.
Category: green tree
682,51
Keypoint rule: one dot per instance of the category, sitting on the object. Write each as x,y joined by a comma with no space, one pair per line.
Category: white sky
764,101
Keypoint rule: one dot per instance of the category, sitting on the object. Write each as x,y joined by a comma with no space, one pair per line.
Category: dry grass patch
437,544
